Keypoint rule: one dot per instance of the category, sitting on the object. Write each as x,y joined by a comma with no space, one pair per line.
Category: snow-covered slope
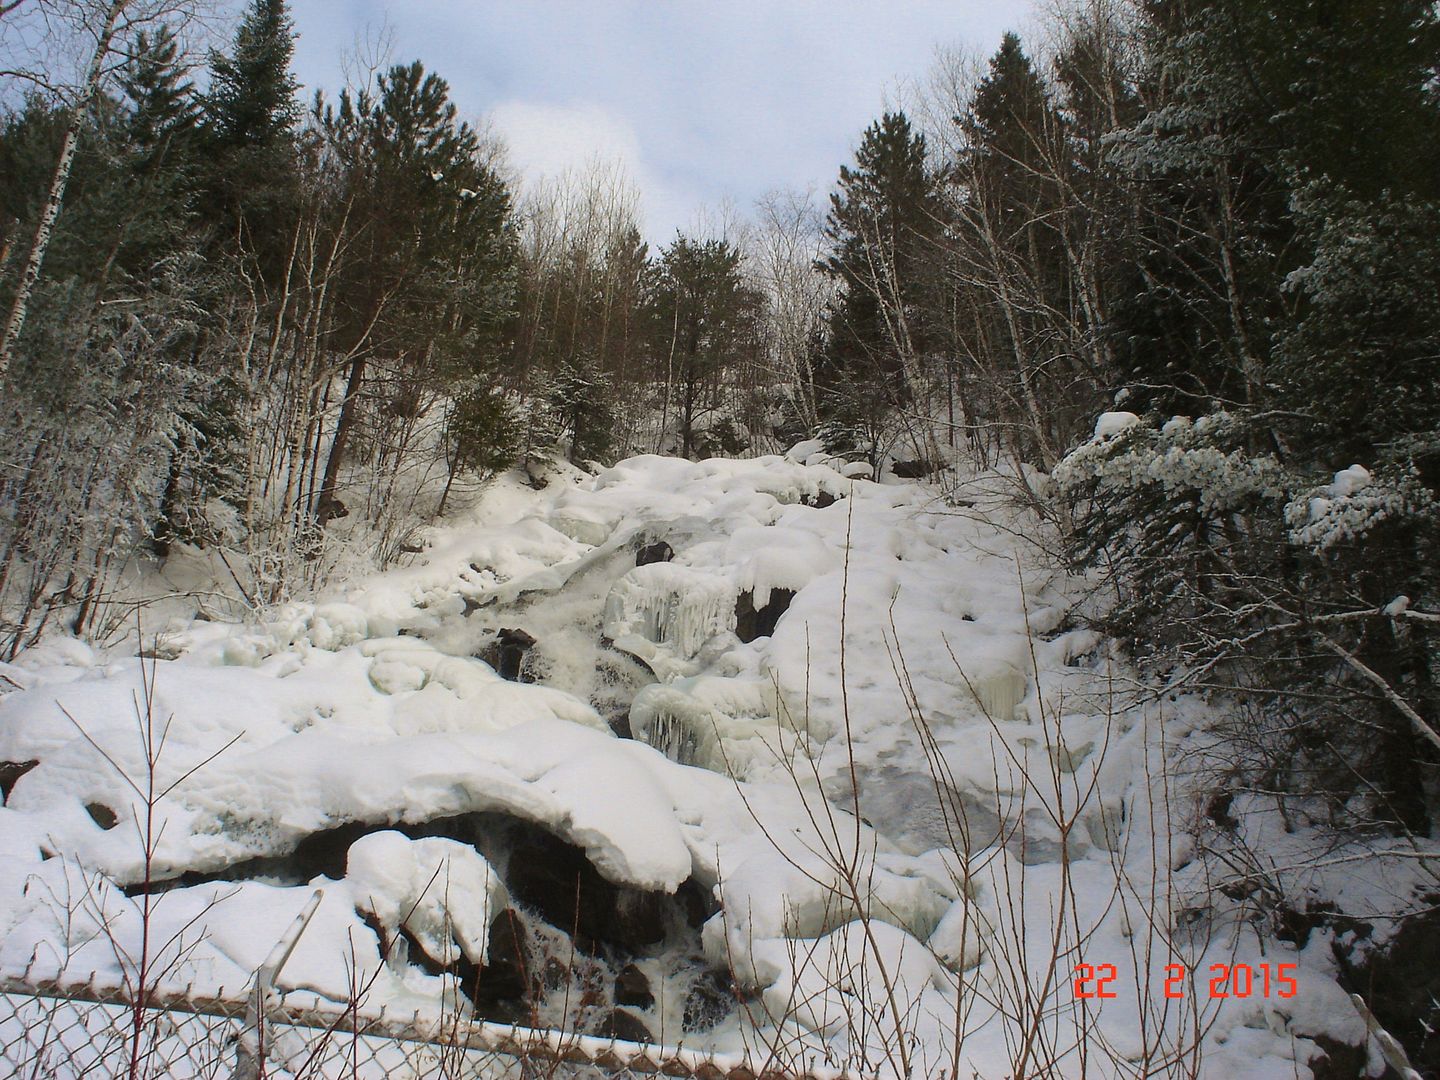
909,804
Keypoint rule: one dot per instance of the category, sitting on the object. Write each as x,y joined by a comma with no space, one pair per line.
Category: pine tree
1288,210
703,318
160,132
430,287
1019,239
881,228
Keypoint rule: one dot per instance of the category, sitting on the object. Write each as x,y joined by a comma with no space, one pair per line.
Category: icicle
672,605
674,738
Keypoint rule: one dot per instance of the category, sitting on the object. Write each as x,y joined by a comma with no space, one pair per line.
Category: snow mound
1113,423
440,891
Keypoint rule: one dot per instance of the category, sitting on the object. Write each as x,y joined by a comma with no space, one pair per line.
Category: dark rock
102,815
659,551
1297,923
514,644
1400,981
711,998
502,989
330,509
325,852
752,623
1336,1060
559,882
625,1026
619,722
632,987
699,904
11,771
916,469
1218,811
471,606
820,500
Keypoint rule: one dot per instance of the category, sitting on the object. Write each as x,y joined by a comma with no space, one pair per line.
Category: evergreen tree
160,133
1288,260
579,409
430,285
881,228
703,317
1011,145
250,118
1019,242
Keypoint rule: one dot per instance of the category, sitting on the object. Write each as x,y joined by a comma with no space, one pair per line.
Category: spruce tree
161,153
703,320
250,118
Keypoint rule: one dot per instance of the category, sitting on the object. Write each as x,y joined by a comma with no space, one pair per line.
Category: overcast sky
701,101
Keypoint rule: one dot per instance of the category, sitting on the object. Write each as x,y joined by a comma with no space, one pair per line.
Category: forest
1168,267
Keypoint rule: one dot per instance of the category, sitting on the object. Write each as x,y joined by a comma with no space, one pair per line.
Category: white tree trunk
18,308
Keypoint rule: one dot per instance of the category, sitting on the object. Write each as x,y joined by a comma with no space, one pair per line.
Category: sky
702,103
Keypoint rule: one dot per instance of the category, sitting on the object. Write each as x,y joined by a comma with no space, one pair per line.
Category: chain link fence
55,1031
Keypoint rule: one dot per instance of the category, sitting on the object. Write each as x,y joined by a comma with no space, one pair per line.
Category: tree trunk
58,182
327,506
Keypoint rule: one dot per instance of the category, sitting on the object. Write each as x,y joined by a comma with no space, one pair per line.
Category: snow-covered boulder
443,893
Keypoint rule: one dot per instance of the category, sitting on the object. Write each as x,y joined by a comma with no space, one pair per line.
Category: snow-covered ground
910,812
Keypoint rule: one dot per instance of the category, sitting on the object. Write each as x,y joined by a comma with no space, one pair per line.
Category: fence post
250,1048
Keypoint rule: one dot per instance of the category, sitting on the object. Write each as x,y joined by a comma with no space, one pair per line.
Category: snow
1113,423
443,892
1349,481
901,799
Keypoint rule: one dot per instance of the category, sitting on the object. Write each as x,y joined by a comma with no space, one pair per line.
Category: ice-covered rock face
666,612
712,722
681,727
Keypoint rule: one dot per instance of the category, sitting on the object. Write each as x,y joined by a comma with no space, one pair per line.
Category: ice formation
665,612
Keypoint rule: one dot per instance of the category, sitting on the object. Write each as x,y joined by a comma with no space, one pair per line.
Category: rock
820,500
330,509
11,771
710,1000
102,815
514,644
699,904
1400,981
557,880
917,469
659,551
1336,1060
632,987
501,990
625,1026
751,623
619,722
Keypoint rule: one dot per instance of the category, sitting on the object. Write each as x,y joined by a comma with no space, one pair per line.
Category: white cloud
546,139
700,102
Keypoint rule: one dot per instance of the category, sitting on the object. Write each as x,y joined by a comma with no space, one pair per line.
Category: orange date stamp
1096,981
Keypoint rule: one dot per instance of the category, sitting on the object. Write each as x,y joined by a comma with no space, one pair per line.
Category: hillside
883,829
